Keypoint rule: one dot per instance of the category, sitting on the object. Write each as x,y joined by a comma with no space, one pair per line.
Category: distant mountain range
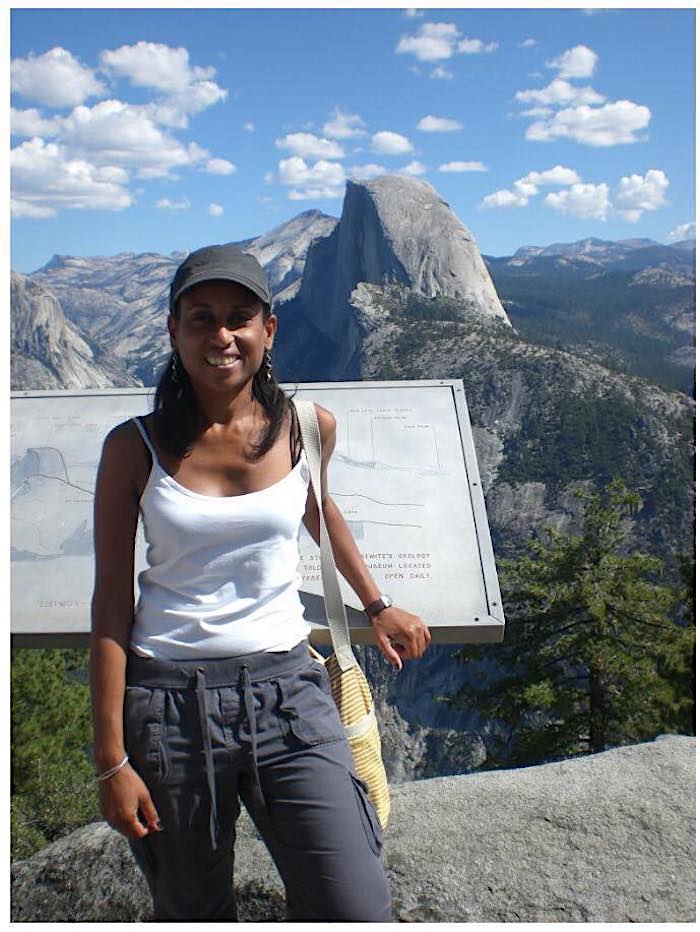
628,304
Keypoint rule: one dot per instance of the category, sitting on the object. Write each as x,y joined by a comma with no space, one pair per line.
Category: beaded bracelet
112,770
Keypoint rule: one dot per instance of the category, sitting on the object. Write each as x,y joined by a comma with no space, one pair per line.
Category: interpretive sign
404,474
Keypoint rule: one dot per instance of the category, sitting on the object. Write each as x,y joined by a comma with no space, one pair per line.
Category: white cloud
527,43
215,210
440,41
636,194
151,64
32,123
116,133
315,194
413,13
45,178
551,176
166,204
463,167
529,185
587,201
220,167
681,232
249,127
322,174
390,143
578,62
176,109
344,125
476,47
441,73
558,93
503,198
367,172
610,125
308,146
433,124
21,208
413,168
55,79
536,112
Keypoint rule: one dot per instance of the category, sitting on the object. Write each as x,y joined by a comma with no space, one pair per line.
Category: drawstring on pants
200,690
248,702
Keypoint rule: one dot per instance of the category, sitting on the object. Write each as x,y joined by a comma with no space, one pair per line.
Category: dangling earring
267,362
174,367
174,377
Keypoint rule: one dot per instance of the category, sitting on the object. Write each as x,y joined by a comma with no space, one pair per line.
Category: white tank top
222,577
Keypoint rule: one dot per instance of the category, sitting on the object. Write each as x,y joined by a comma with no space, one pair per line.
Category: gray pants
263,729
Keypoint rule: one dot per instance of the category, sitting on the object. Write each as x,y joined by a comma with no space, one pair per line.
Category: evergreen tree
588,646
53,785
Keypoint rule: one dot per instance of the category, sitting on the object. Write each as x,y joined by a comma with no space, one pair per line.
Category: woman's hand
127,805
400,635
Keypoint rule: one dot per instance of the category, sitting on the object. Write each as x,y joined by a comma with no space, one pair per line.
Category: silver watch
374,608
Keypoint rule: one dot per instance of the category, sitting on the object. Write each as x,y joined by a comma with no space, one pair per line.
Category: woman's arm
398,633
123,795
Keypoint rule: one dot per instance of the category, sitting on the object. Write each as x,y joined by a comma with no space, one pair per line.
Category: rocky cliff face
605,838
50,352
394,232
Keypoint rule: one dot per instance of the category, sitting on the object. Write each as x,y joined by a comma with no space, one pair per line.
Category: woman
205,693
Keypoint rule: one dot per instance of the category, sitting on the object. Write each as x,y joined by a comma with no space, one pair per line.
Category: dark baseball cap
221,263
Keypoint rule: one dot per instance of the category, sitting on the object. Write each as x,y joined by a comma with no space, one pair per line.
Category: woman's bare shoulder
124,450
326,421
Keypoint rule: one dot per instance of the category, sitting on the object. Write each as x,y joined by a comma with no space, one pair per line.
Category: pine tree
53,786
588,647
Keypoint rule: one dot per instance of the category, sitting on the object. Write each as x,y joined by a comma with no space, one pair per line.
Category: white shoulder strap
332,598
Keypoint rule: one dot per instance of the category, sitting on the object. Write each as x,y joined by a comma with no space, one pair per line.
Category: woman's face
220,335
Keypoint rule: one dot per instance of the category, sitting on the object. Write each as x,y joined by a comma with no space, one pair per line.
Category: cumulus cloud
586,201
413,168
390,143
308,146
115,133
433,124
529,185
249,127
367,172
32,123
441,73
636,194
578,62
166,204
681,232
153,65
323,179
504,198
476,46
462,167
215,210
112,142
559,93
527,43
220,167
55,79
45,178
610,125
440,41
344,125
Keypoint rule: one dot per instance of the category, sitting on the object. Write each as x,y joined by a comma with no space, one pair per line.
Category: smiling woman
205,693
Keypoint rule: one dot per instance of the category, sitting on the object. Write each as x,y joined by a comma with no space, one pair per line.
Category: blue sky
165,129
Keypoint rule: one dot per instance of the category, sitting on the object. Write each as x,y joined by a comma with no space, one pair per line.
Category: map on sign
403,474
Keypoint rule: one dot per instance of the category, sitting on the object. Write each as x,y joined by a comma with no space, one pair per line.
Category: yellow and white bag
349,686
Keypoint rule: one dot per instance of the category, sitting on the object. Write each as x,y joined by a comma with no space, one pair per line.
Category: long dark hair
176,418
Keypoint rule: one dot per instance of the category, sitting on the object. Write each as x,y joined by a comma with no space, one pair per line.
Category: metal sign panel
404,474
